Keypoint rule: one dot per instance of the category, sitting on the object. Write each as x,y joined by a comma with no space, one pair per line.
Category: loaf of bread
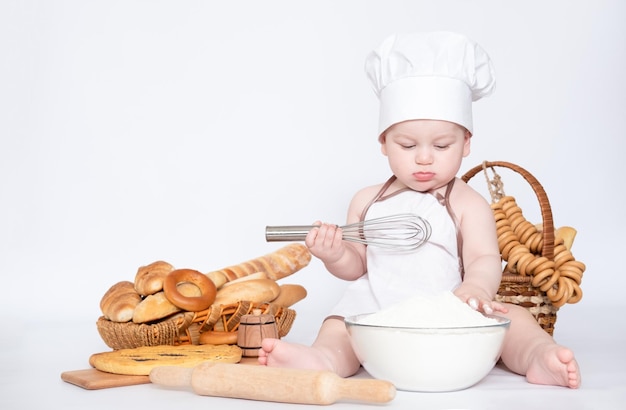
141,360
149,278
145,302
119,302
289,295
277,265
214,337
255,291
157,306
567,234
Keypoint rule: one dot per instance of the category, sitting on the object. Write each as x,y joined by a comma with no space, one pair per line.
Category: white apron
392,275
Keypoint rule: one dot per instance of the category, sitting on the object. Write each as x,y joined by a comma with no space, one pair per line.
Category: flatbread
140,360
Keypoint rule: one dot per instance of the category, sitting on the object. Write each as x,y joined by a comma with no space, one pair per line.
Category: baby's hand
326,242
481,304
486,306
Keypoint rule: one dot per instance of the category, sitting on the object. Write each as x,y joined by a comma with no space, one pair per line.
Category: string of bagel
521,246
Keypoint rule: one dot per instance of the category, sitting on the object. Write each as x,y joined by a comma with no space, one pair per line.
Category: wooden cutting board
94,379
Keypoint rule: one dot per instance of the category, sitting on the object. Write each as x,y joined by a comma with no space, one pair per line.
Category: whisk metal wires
402,232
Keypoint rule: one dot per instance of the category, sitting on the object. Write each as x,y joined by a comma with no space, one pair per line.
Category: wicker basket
541,275
184,328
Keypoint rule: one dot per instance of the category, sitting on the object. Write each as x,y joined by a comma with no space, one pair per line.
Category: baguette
277,265
252,276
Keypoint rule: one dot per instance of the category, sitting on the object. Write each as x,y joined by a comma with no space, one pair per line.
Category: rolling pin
255,382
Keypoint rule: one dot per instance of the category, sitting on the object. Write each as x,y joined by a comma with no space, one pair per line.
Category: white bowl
428,359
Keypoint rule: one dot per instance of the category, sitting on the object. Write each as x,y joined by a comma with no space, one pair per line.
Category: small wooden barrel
252,329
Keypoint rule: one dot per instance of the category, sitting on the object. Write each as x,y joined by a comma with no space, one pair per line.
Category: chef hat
434,75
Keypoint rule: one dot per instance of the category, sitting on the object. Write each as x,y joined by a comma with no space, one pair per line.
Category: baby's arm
481,255
345,260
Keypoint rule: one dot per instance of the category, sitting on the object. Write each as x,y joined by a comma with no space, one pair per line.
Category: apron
395,275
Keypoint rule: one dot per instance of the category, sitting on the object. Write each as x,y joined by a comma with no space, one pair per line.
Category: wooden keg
253,328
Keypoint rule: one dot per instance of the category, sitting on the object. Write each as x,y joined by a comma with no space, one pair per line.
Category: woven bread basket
541,274
184,328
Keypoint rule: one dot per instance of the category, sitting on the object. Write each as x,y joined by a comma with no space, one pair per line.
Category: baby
426,84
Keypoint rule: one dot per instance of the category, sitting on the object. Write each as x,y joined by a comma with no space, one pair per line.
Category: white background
132,131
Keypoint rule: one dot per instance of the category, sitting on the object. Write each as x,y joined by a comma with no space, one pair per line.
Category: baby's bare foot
278,353
554,365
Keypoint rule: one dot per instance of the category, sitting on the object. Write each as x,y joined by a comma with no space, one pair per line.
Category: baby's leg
330,351
530,351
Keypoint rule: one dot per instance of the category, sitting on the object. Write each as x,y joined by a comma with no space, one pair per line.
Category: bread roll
567,234
289,295
119,302
156,306
149,278
255,291
213,337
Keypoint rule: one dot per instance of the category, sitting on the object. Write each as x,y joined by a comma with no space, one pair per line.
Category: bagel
189,303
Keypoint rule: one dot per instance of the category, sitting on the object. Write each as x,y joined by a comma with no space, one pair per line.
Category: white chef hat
431,75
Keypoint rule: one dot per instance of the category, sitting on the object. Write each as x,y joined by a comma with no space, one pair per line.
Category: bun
149,279
255,291
216,337
119,302
157,306
289,295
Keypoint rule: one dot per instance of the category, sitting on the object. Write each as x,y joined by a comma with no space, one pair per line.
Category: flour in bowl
444,310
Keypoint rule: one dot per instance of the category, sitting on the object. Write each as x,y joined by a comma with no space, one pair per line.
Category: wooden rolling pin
255,382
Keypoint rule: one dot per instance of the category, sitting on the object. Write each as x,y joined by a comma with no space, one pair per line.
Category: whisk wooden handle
287,233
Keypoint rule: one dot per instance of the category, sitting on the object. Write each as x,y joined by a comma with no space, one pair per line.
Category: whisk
401,231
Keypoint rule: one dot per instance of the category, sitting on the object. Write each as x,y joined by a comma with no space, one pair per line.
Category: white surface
33,357
132,131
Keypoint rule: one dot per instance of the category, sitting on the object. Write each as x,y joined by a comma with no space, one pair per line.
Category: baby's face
425,154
